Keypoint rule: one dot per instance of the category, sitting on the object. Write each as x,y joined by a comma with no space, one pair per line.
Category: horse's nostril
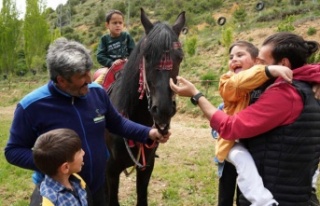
154,110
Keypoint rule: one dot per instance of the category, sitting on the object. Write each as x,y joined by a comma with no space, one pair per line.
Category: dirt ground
188,134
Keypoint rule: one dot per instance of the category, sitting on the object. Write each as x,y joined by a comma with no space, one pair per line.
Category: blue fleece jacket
49,108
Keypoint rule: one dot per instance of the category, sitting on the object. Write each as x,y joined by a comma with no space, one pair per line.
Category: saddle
106,76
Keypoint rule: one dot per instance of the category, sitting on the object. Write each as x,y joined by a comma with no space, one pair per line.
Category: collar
57,91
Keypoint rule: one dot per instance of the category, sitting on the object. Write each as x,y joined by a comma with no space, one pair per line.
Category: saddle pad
110,76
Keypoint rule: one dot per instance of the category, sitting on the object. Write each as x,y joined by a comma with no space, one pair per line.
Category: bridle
165,64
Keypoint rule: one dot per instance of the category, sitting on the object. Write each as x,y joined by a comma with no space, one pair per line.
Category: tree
10,28
36,33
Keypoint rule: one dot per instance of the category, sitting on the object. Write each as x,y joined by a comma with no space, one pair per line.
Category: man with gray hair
71,100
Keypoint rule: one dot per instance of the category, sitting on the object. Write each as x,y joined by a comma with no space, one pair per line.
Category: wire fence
209,88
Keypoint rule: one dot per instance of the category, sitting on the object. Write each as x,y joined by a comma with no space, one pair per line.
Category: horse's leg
112,183
143,178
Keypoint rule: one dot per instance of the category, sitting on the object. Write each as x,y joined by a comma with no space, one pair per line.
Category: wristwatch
194,100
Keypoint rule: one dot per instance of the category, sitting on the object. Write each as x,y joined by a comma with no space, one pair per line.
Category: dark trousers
99,197
228,186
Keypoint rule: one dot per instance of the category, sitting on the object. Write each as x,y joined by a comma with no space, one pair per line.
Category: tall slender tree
10,28
36,33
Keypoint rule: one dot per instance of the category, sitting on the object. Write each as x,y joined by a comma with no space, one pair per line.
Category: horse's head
162,55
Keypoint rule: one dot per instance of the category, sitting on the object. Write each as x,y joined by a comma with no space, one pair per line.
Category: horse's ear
147,25
180,22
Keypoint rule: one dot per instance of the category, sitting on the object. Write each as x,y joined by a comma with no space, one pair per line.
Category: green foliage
121,6
55,34
314,58
73,2
296,2
67,30
73,36
36,35
286,25
100,18
37,63
227,39
63,15
10,29
240,14
20,64
191,45
136,32
209,78
49,11
210,20
311,31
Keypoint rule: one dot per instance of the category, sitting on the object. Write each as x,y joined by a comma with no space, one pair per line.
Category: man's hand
156,136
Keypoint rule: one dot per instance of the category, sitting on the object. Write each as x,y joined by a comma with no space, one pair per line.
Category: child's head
115,22
58,149
242,55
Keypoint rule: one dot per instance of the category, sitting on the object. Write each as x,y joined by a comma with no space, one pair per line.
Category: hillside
84,21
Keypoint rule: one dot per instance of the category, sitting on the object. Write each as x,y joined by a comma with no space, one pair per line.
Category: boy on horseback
115,47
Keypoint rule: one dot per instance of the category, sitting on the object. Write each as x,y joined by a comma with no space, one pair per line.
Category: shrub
100,18
210,20
191,45
67,30
208,79
240,14
121,6
286,25
314,58
311,31
86,13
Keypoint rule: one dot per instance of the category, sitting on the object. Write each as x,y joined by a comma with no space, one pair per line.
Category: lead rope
136,161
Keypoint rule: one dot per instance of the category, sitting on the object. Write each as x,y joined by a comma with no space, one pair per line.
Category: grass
183,175
15,182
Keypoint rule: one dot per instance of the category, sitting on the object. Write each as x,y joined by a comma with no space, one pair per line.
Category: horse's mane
152,46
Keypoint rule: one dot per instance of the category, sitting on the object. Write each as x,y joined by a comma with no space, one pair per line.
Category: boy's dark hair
291,46
253,50
110,13
54,148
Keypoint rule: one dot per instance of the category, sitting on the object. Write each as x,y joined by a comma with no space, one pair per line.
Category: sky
21,4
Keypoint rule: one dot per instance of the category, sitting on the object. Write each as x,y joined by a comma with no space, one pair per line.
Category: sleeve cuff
216,119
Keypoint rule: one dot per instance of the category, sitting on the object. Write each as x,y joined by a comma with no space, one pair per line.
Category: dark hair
110,13
253,50
54,148
291,46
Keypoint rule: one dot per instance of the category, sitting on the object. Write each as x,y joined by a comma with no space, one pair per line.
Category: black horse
142,94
